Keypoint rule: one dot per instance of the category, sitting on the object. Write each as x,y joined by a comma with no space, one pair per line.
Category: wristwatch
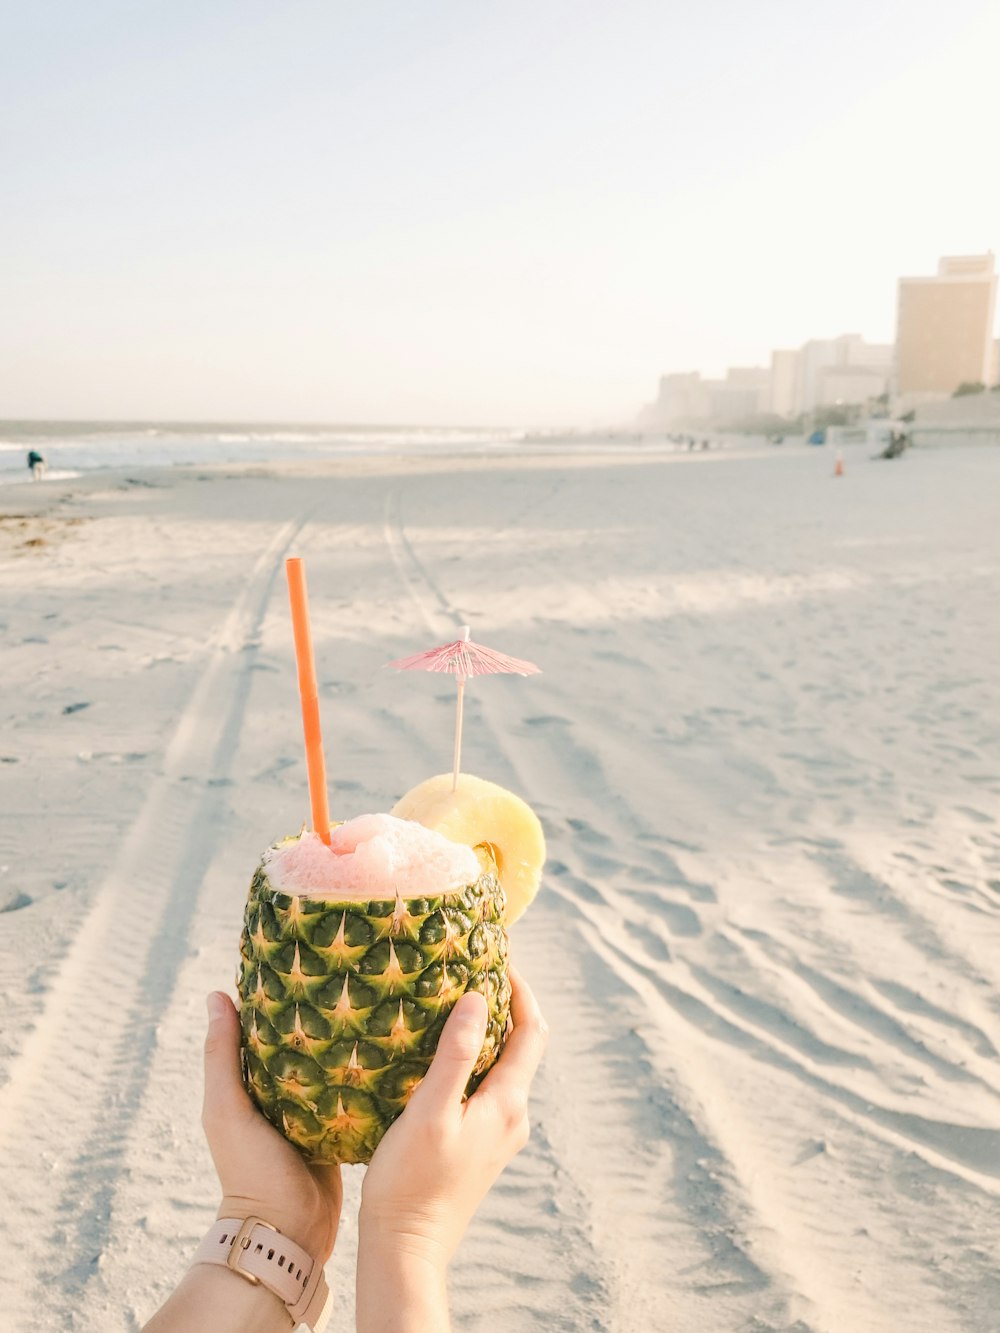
261,1254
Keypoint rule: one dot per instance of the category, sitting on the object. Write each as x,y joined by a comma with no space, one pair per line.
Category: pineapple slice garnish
483,815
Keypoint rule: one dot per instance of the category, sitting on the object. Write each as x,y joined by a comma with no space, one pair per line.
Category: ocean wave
21,478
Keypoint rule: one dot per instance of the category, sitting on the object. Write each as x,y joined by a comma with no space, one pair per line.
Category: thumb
457,1052
225,1095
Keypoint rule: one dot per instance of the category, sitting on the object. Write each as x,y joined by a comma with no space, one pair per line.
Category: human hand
438,1160
259,1170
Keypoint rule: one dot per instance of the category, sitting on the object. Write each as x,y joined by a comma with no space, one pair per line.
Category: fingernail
471,1009
216,1005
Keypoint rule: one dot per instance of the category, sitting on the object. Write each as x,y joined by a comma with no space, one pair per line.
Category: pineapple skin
342,1004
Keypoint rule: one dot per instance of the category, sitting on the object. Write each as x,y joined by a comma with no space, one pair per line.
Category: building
682,397
783,396
743,393
944,329
685,399
849,386
825,372
843,371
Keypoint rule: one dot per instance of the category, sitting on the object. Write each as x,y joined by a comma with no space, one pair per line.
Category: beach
764,751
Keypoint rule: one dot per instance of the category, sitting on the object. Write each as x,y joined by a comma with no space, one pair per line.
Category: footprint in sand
662,840
976,815
15,903
679,919
582,888
814,1149
652,945
274,769
605,866
700,893
338,688
587,833
617,658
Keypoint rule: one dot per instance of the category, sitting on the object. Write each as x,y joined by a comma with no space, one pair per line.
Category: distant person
36,464
898,441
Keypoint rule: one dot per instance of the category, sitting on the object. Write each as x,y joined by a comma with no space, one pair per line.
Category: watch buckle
240,1245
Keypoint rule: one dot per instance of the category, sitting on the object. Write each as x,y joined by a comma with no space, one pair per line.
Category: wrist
310,1233
259,1254
400,1240
401,1281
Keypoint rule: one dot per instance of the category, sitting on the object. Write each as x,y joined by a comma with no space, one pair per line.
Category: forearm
399,1289
214,1300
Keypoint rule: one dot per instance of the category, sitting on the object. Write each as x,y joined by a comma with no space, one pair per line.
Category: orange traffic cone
838,467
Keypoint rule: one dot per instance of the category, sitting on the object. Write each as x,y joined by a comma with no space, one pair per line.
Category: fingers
225,1095
457,1052
508,1081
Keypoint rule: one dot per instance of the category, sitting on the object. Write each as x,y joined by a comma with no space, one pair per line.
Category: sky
458,212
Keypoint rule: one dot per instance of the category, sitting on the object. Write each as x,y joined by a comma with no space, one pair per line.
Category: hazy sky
457,211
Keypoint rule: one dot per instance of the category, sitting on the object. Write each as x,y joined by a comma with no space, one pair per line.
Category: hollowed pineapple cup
342,1004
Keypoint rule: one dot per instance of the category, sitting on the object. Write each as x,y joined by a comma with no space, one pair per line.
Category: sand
764,748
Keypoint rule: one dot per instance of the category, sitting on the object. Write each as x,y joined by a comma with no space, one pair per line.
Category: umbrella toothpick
462,658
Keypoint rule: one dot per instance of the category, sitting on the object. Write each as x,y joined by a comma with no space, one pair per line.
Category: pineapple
342,1002
491,820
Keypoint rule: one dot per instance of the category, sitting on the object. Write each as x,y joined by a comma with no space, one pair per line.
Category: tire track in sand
78,1079
587,1288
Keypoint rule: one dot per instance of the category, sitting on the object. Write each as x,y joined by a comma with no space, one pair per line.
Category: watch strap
260,1253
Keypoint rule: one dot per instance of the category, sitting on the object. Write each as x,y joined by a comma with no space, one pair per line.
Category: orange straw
315,763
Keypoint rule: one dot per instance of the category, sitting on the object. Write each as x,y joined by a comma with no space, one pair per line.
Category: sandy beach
764,750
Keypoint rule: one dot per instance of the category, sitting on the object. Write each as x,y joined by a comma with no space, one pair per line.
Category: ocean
71,448
74,447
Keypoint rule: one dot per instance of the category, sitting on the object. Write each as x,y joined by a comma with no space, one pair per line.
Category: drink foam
372,856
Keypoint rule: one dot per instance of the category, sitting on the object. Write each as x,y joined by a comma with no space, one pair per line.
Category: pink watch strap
260,1253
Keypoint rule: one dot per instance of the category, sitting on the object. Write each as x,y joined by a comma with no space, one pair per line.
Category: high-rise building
944,329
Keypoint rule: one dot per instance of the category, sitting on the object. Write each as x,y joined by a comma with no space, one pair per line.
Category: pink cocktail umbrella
463,659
